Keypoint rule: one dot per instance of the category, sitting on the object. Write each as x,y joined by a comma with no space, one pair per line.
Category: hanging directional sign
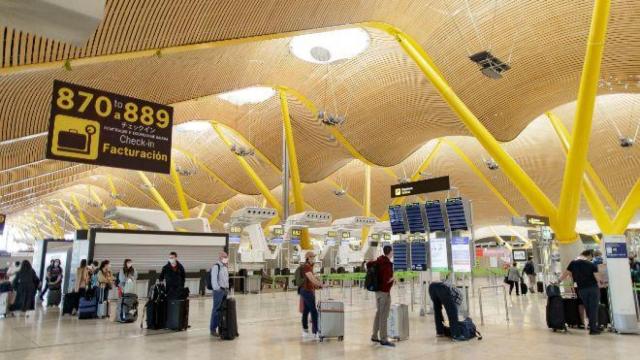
420,187
535,220
102,128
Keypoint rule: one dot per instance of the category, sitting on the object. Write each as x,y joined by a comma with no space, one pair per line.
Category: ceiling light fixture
330,46
250,95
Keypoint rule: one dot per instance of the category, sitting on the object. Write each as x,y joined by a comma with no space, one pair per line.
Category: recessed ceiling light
329,46
193,126
250,95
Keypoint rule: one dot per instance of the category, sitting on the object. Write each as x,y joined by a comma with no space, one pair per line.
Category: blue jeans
218,296
309,302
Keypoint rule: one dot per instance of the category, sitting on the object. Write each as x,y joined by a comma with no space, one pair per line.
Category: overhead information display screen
519,255
419,256
101,128
414,218
435,220
455,214
400,256
397,219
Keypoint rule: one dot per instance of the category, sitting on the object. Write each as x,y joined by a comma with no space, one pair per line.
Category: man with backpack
382,271
220,286
530,271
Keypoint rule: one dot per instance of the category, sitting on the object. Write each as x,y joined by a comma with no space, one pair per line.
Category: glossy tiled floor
269,326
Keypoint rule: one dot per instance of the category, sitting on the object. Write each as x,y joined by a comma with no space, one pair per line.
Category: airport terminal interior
273,158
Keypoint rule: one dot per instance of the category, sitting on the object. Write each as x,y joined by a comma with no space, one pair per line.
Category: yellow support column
177,184
214,215
103,207
264,190
83,218
201,211
527,187
158,197
595,205
75,222
305,241
54,222
627,210
367,203
577,156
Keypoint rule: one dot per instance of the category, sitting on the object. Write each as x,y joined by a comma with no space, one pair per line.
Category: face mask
225,261
172,261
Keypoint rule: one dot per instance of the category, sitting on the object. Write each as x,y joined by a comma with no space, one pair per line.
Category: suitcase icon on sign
72,141
75,137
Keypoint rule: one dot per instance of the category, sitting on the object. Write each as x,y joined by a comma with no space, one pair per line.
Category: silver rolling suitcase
4,304
398,322
331,319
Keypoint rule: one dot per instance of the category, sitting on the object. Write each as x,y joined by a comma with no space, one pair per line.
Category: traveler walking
307,293
25,284
220,286
174,276
384,273
46,279
585,274
513,278
127,278
530,271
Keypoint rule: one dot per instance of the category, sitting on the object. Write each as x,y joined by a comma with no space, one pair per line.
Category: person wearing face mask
174,276
220,285
105,283
127,278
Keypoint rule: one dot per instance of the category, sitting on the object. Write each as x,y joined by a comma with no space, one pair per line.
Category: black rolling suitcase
127,309
228,325
178,314
540,287
54,296
555,313
524,289
155,310
572,312
70,302
603,316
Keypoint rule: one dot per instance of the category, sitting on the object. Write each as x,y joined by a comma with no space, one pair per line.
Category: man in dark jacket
173,275
384,271
530,271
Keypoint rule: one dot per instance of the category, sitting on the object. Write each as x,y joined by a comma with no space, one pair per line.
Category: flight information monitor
400,256
418,255
435,220
414,218
455,213
397,219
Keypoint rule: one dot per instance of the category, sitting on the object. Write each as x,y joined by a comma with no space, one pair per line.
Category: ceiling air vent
490,66
626,142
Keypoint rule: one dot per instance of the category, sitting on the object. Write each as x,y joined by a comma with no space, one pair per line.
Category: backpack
207,280
371,279
299,277
467,330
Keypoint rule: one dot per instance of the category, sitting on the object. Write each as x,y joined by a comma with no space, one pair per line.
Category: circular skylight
329,46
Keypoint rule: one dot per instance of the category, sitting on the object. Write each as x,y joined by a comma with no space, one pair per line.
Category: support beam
264,190
157,196
103,207
593,201
527,187
177,184
83,218
305,241
75,222
578,151
367,203
214,215
204,167
628,210
201,211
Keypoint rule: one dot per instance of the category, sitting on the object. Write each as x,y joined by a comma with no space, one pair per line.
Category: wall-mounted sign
346,234
278,231
3,219
420,187
616,250
519,255
387,237
332,234
102,128
535,220
235,229
296,232
375,237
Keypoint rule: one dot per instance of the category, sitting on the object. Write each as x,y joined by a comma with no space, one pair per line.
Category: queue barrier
496,287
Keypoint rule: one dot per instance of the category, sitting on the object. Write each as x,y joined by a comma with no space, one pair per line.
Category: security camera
491,164
340,192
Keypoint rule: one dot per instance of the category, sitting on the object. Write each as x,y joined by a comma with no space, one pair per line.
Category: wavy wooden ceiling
392,110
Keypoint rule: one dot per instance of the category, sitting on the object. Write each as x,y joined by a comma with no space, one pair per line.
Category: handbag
129,287
506,279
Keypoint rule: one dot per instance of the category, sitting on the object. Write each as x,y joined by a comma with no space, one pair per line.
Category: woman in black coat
25,285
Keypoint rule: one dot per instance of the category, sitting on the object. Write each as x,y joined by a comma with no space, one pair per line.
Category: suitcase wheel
340,338
321,339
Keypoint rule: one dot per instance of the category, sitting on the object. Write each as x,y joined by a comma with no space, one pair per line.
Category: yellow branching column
157,196
177,184
305,242
367,202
